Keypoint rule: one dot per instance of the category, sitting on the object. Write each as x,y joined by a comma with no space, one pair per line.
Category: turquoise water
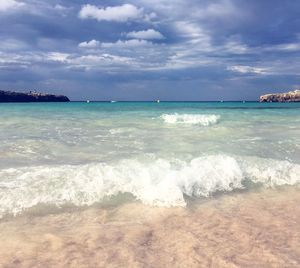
160,153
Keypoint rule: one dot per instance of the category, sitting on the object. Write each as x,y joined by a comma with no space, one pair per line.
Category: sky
150,49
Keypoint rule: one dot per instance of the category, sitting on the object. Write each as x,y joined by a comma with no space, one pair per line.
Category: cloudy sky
150,49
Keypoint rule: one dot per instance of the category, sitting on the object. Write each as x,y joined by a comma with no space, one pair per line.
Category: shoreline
246,229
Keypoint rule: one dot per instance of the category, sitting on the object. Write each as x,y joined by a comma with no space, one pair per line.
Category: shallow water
149,185
80,154
251,229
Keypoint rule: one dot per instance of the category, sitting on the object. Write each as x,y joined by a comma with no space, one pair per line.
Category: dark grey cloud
142,49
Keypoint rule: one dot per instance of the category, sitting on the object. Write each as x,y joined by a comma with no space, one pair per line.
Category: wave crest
159,183
194,119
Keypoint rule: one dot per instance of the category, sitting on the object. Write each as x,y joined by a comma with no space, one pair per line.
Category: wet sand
255,229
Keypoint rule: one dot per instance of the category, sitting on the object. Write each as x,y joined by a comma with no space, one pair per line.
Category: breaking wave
159,183
194,119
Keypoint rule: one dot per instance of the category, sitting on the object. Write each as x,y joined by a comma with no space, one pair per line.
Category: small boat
88,101
112,101
158,101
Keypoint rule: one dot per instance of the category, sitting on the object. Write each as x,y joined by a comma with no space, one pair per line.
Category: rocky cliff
292,96
10,96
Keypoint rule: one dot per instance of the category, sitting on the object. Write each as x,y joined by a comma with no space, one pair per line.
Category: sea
61,156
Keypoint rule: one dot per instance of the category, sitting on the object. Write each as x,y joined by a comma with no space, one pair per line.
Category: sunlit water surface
159,154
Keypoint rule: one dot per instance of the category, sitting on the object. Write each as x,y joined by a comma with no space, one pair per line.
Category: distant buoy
158,101
88,101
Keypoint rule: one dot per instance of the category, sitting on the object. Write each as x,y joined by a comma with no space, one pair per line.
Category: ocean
146,184
167,154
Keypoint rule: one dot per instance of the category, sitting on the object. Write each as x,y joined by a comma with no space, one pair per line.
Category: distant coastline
291,96
31,96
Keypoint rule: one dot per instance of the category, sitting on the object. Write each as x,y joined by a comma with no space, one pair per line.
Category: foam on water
194,119
159,183
115,131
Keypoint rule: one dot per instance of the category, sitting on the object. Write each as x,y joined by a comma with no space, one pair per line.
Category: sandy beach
149,134
254,229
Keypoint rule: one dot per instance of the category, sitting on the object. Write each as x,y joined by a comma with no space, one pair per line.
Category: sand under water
253,229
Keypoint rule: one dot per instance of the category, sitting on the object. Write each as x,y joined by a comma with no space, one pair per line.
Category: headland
291,96
31,96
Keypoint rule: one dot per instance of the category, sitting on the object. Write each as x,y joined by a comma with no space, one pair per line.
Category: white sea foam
115,131
159,183
194,119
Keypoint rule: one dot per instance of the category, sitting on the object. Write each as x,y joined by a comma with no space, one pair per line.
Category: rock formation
292,96
10,96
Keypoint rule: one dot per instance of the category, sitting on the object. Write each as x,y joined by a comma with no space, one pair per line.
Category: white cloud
219,9
63,10
197,39
127,44
121,13
60,7
6,5
247,69
91,44
235,47
118,44
289,47
150,17
11,59
12,44
191,30
57,56
147,34
103,61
